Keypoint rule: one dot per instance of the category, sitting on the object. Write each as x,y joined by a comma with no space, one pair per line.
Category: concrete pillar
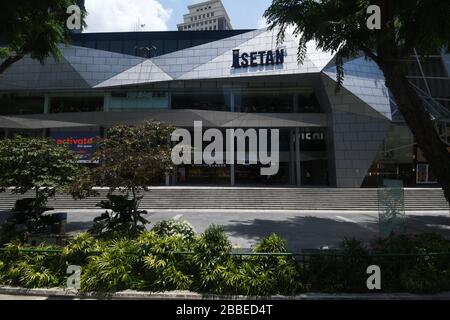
232,175
296,105
297,157
292,157
169,100
232,106
106,102
167,179
46,104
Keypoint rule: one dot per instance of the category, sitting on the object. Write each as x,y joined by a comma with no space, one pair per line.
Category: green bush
168,228
78,250
269,275
160,263
164,269
343,271
121,219
116,268
2,272
212,263
421,274
31,270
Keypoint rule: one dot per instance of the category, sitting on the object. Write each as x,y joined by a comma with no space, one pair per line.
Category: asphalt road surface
302,230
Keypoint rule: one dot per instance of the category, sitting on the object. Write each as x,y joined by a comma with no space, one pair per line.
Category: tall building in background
205,16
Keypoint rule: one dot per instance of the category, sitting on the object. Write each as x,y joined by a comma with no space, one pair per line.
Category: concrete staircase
255,199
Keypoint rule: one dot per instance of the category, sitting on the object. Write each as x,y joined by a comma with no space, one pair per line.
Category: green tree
340,27
130,160
33,28
38,165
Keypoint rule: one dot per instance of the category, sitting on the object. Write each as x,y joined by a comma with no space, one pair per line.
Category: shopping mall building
229,79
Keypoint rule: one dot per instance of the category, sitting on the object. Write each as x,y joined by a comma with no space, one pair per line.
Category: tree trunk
9,62
418,120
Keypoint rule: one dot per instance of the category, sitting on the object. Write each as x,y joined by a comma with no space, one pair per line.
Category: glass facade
395,160
214,101
11,104
76,104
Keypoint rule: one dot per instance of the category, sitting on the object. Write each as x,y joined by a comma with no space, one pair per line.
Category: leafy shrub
268,275
212,262
122,218
78,250
339,272
419,273
32,270
116,268
168,228
2,272
411,244
163,268
282,269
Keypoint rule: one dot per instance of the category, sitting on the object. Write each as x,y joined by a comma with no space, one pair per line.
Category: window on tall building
76,104
279,102
201,101
12,104
263,102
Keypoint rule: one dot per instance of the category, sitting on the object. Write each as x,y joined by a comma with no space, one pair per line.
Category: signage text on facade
257,58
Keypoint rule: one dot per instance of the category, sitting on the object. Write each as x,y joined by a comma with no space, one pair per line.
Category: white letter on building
181,153
374,21
198,142
374,281
74,21
213,153
241,138
274,159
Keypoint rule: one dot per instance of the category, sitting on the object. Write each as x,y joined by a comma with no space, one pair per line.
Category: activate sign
83,144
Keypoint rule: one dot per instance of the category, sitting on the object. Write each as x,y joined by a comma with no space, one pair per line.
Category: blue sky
163,15
244,14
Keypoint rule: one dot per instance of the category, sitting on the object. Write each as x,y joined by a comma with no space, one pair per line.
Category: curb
58,293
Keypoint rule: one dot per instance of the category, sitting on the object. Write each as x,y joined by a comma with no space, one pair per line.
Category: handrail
263,254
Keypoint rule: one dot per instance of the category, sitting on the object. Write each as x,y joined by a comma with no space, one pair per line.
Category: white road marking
177,217
359,224
439,226
346,219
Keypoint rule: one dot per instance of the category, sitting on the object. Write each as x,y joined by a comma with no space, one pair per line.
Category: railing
299,257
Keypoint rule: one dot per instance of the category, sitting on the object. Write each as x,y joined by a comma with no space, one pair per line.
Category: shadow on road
313,232
302,232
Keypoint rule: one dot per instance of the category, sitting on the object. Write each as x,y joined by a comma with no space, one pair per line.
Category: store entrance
250,175
204,175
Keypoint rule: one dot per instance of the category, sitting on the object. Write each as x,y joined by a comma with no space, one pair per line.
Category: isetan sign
257,58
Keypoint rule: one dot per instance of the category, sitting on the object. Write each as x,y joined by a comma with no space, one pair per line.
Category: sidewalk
61,294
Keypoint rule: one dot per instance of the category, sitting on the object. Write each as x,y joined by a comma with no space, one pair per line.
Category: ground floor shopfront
306,158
